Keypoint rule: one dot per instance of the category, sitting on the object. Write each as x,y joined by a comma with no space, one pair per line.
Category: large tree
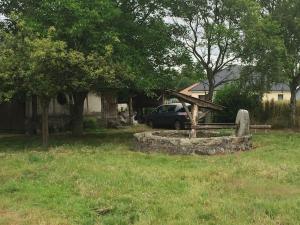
85,27
211,31
130,35
147,45
287,14
32,65
273,46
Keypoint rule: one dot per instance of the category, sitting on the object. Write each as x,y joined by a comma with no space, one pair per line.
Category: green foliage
90,123
211,32
31,64
146,46
272,45
233,98
78,177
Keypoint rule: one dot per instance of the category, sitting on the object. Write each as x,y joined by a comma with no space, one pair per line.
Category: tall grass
275,113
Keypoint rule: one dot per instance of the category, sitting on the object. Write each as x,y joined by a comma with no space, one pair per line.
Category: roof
227,75
199,102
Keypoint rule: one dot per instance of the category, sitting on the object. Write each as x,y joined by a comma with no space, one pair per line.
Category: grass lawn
97,179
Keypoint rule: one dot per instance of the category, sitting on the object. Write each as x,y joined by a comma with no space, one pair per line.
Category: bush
233,98
90,123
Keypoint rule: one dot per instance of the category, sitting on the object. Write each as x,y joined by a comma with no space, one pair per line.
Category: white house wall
273,96
92,104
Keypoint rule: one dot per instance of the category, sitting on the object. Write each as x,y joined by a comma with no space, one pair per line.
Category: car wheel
177,125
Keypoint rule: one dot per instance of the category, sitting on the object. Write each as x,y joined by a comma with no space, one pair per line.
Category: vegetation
99,180
211,31
234,98
273,46
276,113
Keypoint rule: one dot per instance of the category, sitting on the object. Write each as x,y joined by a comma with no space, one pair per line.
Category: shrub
233,98
90,123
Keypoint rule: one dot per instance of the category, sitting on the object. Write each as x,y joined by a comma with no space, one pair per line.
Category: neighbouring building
278,92
18,115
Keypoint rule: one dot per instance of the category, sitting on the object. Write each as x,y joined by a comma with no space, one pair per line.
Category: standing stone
243,123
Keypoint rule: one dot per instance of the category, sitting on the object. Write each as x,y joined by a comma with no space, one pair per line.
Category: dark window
163,109
202,97
280,97
171,108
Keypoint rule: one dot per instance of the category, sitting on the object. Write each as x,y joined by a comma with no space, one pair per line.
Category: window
280,97
203,97
171,108
164,109
183,110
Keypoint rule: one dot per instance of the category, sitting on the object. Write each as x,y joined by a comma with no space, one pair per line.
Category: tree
33,65
211,31
6,90
85,27
147,45
131,36
275,46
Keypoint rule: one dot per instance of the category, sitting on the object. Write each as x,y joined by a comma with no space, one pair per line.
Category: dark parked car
170,115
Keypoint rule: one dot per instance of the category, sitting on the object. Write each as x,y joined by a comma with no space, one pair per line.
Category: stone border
149,142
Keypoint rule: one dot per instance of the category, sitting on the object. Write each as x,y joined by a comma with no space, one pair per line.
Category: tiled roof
230,74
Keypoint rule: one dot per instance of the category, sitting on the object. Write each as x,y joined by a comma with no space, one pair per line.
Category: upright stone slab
243,123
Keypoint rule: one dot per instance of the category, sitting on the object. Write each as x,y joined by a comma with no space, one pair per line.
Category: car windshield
166,108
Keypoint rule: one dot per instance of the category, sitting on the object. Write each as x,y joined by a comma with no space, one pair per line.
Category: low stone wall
170,142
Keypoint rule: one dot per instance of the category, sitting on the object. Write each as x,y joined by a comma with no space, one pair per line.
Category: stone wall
164,141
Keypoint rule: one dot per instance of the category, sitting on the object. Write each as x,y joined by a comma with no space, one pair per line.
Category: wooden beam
187,110
229,126
199,102
261,127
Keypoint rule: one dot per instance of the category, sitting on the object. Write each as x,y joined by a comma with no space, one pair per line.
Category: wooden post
194,121
130,110
45,123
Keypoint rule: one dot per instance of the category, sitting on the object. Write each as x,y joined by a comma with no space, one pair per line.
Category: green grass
77,178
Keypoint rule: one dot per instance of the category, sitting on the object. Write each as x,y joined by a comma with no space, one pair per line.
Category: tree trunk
211,85
77,113
293,106
210,94
45,122
194,122
110,109
130,111
34,113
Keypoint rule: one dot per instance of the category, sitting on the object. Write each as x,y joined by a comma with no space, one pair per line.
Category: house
18,115
278,92
24,115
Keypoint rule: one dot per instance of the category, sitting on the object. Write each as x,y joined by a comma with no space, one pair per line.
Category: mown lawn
98,179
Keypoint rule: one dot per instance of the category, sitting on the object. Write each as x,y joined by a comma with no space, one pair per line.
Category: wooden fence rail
227,126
